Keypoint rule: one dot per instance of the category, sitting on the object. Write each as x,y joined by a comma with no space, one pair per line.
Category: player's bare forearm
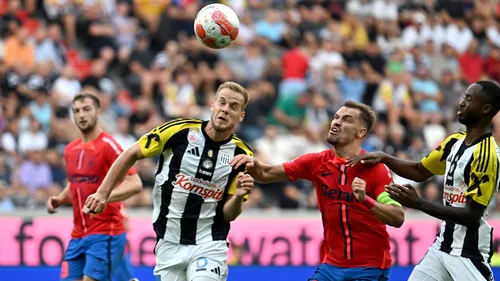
389,214
119,169
468,216
412,170
65,195
233,208
265,173
130,186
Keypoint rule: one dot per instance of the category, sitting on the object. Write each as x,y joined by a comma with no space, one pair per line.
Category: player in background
469,162
197,193
354,205
124,270
97,241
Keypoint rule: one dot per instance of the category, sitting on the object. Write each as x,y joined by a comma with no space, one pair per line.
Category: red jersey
86,165
354,237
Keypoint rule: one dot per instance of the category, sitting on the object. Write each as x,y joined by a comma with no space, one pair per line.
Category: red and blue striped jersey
86,165
354,237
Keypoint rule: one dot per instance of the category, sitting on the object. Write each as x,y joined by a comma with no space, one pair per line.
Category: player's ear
487,109
362,133
242,116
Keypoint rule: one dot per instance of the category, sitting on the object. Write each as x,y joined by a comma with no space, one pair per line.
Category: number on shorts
201,263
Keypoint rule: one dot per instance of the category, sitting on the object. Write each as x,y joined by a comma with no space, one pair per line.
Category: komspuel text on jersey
203,188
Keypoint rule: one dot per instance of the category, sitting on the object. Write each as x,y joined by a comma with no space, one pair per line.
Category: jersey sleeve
111,152
380,177
155,142
301,167
242,148
483,173
435,162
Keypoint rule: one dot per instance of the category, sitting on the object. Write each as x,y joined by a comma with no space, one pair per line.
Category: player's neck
347,151
216,136
476,131
92,135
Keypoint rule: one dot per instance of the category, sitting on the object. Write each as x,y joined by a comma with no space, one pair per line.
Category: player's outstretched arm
96,202
261,172
234,204
408,169
408,196
384,208
130,186
62,198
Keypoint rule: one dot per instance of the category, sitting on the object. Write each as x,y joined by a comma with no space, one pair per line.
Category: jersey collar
208,139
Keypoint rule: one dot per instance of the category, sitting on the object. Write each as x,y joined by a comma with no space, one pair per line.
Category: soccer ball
216,26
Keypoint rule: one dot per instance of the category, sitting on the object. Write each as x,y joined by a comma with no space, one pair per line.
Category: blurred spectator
459,36
427,96
471,63
440,60
33,138
40,108
50,48
66,87
123,136
19,51
34,173
6,203
271,27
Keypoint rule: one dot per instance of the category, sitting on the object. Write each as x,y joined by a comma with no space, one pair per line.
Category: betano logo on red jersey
203,188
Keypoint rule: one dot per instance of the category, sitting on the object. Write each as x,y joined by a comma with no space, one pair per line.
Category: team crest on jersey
224,158
191,138
207,164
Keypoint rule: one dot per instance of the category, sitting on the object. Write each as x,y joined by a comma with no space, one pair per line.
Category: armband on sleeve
385,198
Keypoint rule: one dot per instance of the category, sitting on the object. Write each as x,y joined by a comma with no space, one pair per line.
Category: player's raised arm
261,172
419,171
413,170
149,145
96,202
131,183
481,187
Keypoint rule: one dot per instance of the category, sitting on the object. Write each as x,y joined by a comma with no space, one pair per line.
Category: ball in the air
216,26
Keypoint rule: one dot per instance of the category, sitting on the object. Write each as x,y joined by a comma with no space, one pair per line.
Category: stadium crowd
410,60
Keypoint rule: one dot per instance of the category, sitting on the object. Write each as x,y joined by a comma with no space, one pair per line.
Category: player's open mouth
222,118
335,130
82,123
460,111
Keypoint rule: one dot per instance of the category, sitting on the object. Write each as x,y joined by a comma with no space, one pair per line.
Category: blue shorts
327,272
95,256
123,271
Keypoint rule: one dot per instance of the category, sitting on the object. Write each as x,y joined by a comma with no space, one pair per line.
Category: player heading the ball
197,193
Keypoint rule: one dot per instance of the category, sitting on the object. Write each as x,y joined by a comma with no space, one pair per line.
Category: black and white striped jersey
469,171
192,182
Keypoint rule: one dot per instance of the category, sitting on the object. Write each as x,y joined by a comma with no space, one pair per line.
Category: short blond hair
235,87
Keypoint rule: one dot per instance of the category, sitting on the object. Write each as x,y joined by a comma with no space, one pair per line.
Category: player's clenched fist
95,204
244,185
359,189
53,203
242,159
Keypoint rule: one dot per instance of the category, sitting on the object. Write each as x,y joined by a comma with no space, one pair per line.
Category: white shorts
440,266
176,262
